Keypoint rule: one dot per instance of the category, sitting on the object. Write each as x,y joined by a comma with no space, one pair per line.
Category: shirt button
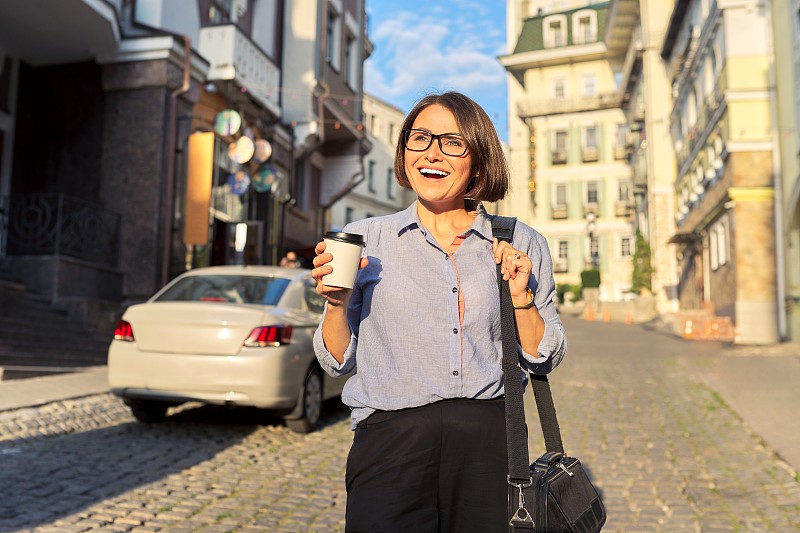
455,372
455,289
446,257
455,330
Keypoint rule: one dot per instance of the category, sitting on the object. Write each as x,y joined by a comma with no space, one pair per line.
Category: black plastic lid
351,238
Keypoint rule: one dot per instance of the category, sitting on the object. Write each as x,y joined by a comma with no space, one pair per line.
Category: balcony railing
559,157
233,56
591,208
620,152
589,155
622,208
555,106
55,224
560,211
560,264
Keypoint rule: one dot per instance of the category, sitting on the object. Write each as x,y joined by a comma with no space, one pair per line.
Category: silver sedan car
228,335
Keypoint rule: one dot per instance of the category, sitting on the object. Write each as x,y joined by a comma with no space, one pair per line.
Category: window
590,138
592,188
391,184
594,250
590,85
371,176
563,249
558,88
561,194
561,261
622,135
560,151
392,133
560,209
348,215
332,38
219,11
351,63
624,191
374,124
719,250
555,31
625,246
584,26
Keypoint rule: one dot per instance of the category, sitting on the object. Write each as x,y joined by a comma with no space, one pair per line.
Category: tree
642,277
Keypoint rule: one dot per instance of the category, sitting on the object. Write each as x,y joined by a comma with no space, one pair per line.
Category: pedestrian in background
290,260
421,328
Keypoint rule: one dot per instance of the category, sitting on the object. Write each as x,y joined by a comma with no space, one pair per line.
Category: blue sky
423,48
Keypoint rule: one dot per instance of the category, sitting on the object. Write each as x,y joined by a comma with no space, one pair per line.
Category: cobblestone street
667,452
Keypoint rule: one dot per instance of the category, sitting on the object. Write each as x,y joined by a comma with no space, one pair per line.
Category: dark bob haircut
489,164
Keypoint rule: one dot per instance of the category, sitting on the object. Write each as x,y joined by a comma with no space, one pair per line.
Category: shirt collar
482,225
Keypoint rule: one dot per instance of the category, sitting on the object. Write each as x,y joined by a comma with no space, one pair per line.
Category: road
667,452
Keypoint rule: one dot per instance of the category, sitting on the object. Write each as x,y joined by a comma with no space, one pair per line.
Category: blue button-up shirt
407,346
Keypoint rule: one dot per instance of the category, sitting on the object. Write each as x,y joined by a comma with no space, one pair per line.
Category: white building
378,193
567,137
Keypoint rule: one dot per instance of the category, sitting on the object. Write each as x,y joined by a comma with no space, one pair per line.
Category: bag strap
516,434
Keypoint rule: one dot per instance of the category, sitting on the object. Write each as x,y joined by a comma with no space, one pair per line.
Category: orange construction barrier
606,315
628,317
589,314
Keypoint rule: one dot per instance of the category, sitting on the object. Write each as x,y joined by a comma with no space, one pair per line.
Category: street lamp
591,229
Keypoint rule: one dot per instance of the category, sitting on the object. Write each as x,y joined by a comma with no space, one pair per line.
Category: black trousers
439,468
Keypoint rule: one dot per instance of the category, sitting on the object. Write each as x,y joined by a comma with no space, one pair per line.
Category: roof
531,37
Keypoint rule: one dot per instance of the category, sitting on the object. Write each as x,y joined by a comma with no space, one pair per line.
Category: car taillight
123,332
269,336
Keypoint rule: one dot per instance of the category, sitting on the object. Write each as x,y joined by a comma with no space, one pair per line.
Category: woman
421,328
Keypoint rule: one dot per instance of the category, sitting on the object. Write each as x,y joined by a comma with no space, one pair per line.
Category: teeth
433,171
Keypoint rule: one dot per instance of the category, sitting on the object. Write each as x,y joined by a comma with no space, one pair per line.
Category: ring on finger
518,256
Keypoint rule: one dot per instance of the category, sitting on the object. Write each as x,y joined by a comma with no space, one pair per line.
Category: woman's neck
445,223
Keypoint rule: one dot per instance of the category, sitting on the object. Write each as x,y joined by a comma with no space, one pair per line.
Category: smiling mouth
433,173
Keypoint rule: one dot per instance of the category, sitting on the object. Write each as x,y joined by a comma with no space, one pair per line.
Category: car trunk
195,328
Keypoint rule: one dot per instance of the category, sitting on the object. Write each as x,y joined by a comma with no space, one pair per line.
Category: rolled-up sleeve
553,345
327,361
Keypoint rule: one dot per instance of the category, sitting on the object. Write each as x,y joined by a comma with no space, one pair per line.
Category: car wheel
149,411
312,404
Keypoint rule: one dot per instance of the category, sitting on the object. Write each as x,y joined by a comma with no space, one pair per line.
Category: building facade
724,131
133,145
325,48
567,140
378,193
640,25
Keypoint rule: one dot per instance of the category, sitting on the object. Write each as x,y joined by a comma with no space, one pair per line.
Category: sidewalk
18,393
760,383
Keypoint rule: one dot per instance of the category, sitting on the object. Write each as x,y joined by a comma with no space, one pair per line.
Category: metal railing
57,224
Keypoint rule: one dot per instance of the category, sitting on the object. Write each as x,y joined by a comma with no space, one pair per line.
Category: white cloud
416,53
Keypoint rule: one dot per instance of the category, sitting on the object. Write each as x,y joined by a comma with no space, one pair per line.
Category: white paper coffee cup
346,251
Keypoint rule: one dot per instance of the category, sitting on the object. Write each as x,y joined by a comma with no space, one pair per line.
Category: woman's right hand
336,296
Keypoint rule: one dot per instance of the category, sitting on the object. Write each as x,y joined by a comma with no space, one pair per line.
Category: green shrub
590,279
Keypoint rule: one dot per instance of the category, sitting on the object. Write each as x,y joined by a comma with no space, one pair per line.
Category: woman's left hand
515,266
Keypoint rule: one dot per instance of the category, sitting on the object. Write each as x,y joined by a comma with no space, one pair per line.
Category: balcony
560,211
233,56
591,208
620,152
622,208
557,106
559,157
589,155
560,265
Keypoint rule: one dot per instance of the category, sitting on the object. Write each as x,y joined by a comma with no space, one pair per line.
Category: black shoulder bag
553,494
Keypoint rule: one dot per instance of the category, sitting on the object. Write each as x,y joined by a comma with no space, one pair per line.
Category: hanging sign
241,150
263,150
227,122
239,182
264,178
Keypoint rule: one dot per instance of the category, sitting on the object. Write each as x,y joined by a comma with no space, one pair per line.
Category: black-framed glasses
449,143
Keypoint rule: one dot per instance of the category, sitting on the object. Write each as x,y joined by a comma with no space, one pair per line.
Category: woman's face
438,178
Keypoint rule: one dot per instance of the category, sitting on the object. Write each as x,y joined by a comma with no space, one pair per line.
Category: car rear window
232,289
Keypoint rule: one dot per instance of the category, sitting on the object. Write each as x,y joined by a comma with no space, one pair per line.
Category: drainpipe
777,180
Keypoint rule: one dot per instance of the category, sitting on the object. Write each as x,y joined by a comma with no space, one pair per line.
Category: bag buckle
521,516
